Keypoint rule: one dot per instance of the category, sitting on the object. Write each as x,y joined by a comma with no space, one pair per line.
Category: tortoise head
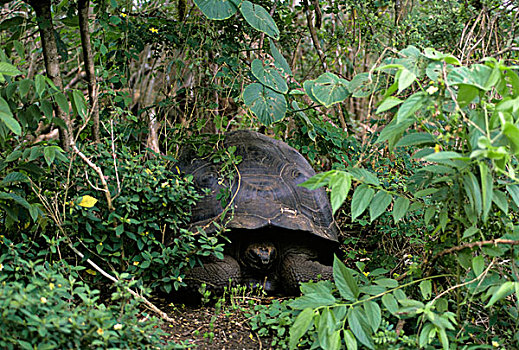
260,255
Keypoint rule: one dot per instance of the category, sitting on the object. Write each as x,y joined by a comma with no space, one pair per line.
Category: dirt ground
208,327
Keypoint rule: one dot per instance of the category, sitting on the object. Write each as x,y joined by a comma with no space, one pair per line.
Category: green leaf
373,314
259,19
477,75
359,327
308,86
8,69
269,76
471,186
349,340
478,265
416,138
361,199
39,84
24,86
390,303
78,104
427,335
329,89
361,85
503,291
49,153
471,231
344,281
313,300
443,155
279,59
411,105
340,183
14,177
217,9
388,103
268,105
405,79
426,289
400,207
386,282
513,191
512,134
318,180
364,176
62,102
466,94
6,116
379,204
500,200
393,131
487,188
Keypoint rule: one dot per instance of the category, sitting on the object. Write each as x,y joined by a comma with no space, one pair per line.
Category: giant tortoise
281,234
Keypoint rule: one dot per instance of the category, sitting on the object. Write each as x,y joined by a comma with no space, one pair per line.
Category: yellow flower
100,243
437,148
366,273
118,326
135,263
1,266
59,285
495,344
51,286
100,331
179,279
124,15
431,90
154,30
43,300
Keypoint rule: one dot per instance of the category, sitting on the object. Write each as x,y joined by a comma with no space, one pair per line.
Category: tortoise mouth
260,255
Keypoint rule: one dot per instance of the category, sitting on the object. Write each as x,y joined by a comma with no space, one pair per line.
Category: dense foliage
409,111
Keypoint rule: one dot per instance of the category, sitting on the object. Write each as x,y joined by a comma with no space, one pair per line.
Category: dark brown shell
268,192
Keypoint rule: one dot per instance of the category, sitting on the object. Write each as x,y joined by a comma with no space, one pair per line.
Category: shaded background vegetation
87,162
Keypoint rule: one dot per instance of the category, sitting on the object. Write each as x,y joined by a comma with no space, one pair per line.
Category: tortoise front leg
215,274
298,268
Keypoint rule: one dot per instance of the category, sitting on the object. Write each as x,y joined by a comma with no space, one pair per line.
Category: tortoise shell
265,191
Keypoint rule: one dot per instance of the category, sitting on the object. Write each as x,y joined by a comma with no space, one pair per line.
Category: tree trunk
51,58
88,59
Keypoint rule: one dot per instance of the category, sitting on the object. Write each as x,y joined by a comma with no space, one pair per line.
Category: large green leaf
218,9
329,89
473,191
411,105
379,204
364,176
405,79
6,116
349,340
313,300
268,105
511,132
388,103
269,76
279,59
259,19
393,131
503,291
327,333
400,208
302,323
361,85
344,280
359,327
340,183
361,199
513,191
8,69
501,201
416,138
487,189
373,314
308,86
478,75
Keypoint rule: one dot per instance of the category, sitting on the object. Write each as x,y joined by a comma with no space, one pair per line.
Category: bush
42,308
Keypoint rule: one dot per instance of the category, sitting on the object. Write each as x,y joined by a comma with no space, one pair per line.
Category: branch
471,245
